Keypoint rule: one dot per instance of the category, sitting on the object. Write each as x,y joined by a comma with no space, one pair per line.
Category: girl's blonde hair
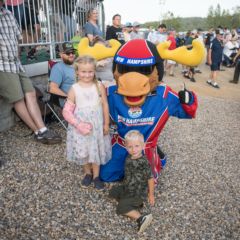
86,59
134,135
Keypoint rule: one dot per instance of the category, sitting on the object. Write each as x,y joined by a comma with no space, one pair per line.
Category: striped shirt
9,36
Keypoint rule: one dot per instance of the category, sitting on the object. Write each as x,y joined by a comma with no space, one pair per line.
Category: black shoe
48,137
98,184
144,221
198,71
232,81
192,79
87,180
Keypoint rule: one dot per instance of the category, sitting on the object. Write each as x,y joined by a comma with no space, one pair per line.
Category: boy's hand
151,199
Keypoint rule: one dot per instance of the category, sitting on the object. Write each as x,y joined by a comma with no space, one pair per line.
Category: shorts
126,202
13,86
215,66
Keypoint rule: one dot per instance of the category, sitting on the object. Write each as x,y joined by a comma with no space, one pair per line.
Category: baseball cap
128,24
66,47
136,24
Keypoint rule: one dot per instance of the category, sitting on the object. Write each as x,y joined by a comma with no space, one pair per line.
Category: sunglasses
69,53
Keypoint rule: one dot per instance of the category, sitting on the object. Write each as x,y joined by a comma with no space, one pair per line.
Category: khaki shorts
13,86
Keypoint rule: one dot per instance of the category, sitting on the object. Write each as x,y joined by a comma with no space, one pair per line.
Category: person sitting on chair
62,75
15,86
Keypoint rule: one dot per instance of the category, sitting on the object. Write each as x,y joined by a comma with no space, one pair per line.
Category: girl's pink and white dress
95,147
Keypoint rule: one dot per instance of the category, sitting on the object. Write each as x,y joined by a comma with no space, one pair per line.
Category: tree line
216,17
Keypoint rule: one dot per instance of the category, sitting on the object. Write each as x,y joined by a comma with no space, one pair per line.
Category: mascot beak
134,87
182,55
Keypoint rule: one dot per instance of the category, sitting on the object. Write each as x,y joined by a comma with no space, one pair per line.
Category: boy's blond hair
134,135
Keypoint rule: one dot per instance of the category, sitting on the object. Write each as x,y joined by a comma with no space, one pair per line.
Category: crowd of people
88,141
222,46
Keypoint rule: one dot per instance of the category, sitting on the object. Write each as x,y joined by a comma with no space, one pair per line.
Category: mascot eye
145,70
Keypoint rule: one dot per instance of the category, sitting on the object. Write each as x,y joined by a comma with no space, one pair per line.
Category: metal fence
51,22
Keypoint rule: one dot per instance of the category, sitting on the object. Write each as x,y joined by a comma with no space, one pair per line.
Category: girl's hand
106,129
84,128
151,199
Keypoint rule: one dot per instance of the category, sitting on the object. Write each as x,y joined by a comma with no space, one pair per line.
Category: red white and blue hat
135,53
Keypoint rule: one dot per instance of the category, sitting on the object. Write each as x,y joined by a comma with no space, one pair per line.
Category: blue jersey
149,119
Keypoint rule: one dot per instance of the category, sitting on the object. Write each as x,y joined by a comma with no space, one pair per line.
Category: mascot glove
185,96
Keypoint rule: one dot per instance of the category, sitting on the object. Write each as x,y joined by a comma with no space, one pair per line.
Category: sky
152,10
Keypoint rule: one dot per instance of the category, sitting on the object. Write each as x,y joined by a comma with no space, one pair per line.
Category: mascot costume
139,100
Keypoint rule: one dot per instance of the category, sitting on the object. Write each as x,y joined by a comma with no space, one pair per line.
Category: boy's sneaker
48,137
144,221
87,180
98,184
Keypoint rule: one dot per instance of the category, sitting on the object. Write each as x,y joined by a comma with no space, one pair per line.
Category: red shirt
173,42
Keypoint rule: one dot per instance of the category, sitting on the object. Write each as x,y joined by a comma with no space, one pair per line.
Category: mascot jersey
149,119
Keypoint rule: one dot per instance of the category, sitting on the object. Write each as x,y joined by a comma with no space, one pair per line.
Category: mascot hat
127,59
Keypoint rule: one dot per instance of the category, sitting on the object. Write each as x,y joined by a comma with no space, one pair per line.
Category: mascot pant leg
114,169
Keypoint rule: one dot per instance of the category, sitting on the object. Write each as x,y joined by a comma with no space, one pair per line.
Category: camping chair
52,102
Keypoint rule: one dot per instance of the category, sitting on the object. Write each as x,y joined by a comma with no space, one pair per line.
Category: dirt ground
227,90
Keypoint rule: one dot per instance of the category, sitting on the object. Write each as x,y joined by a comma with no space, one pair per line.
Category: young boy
138,178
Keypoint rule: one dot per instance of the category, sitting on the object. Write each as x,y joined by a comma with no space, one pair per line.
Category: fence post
51,40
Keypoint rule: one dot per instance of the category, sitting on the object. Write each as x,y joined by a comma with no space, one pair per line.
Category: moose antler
182,55
98,51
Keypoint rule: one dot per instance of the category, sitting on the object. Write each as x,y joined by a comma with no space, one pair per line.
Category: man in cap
15,87
135,31
126,31
62,74
115,31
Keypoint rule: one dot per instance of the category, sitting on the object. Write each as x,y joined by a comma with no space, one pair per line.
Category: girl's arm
68,113
106,118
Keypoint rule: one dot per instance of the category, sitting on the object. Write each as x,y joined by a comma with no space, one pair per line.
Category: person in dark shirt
115,31
138,182
215,54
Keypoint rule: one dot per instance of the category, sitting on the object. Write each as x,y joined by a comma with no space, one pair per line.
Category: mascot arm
178,106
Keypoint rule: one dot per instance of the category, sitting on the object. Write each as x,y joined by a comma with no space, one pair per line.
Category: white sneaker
144,221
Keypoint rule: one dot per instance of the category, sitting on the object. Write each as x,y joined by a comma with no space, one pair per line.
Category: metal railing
51,22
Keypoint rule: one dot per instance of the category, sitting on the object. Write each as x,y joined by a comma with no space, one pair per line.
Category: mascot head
137,69
138,64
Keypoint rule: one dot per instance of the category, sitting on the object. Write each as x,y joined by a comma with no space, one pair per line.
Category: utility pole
161,4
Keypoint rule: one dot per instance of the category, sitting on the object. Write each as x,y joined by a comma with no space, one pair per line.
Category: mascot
140,101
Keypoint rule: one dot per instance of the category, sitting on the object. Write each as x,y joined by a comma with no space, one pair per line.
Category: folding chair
52,101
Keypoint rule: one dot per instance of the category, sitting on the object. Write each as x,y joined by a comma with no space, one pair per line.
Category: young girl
86,110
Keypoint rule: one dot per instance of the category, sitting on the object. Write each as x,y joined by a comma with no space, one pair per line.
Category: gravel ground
197,197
